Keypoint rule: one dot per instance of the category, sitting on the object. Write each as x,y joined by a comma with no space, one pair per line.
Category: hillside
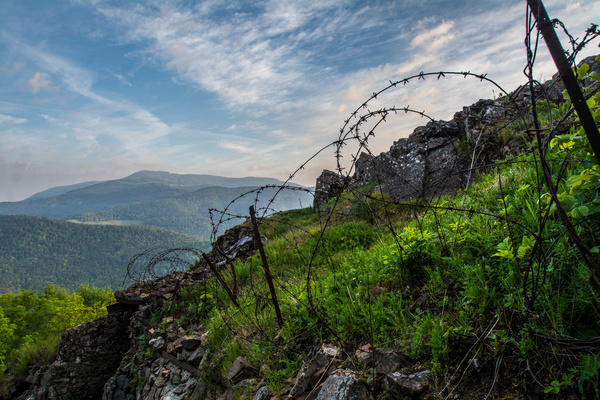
57,191
190,213
140,187
474,284
38,250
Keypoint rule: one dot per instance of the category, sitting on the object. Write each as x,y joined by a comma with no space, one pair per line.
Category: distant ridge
58,190
199,180
143,186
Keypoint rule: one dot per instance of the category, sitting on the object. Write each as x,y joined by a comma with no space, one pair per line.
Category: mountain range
70,201
75,234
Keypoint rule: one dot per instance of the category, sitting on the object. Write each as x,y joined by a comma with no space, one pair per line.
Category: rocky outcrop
442,156
88,356
329,185
119,357
435,159
439,157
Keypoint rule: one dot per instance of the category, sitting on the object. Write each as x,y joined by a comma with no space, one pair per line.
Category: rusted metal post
566,74
263,257
221,280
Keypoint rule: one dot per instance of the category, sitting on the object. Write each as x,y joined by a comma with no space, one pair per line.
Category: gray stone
195,357
382,361
308,369
176,378
240,370
329,185
119,395
122,381
403,386
264,393
342,388
157,343
190,343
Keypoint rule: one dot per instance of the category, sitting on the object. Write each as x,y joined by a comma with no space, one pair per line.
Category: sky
97,90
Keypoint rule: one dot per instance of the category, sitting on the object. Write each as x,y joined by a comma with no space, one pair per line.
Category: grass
465,285
441,286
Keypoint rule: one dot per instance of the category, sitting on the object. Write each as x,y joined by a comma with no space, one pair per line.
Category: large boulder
329,185
341,387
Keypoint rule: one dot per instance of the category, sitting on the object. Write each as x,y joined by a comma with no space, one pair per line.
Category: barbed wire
154,262
157,262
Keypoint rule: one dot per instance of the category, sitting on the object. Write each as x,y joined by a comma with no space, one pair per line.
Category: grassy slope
489,275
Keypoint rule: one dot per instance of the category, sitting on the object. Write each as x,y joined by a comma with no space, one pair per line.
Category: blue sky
95,90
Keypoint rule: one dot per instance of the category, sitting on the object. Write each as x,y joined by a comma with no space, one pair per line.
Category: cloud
9,120
236,59
40,81
256,61
122,80
416,63
236,147
573,6
76,79
433,38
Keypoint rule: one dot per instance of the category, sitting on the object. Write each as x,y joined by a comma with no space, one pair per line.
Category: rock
174,346
191,342
342,388
264,393
195,357
122,381
119,395
157,343
240,370
329,185
330,350
382,361
401,386
88,355
204,339
307,371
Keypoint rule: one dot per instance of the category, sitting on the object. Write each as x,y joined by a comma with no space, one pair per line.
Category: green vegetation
189,213
38,250
31,324
500,276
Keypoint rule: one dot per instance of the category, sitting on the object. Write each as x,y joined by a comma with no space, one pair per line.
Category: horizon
92,183
101,90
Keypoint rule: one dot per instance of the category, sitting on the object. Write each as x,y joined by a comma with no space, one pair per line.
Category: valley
87,233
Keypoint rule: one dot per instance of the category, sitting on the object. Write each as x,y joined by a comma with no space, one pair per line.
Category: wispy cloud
122,80
9,120
235,147
104,123
77,79
435,37
251,60
40,81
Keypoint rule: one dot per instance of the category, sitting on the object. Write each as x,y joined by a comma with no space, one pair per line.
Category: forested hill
189,213
38,250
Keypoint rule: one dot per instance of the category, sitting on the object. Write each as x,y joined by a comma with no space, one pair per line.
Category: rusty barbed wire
154,262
